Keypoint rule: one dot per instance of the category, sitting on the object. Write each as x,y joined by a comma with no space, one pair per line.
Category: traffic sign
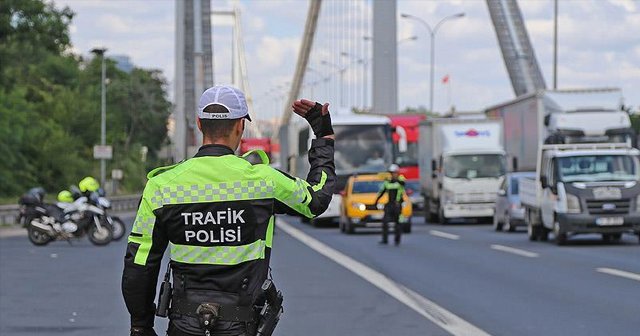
117,174
102,152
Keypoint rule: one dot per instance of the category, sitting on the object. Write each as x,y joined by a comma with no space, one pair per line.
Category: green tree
50,105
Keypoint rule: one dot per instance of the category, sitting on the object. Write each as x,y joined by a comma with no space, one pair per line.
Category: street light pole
432,34
103,112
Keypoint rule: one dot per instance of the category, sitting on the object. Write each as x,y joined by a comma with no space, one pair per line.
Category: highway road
456,279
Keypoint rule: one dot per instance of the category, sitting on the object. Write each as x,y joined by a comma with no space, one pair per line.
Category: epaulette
160,170
256,156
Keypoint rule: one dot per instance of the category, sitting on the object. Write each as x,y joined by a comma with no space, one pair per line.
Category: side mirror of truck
547,119
434,166
514,164
544,182
502,192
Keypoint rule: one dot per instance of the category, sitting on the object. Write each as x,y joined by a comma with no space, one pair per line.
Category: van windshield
598,168
474,166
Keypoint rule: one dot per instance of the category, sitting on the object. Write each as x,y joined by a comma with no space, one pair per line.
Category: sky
599,46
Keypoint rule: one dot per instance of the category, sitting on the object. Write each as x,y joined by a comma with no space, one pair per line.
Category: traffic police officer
215,211
394,187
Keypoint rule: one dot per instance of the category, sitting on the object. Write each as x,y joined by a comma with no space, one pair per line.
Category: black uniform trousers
392,214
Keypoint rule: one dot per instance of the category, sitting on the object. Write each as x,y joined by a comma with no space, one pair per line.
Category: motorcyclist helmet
65,196
394,168
37,192
89,184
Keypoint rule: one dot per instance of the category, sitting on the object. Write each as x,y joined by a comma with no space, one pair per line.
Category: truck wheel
543,235
442,219
560,237
531,233
429,217
496,223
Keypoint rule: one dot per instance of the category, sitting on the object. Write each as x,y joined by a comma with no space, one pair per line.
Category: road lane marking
444,235
426,308
514,250
616,272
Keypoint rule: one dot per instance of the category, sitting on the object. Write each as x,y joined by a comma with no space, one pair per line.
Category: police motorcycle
99,199
64,220
96,195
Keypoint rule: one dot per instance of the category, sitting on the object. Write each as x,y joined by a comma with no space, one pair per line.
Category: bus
405,152
363,145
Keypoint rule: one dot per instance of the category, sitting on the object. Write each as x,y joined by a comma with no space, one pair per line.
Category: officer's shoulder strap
256,156
160,170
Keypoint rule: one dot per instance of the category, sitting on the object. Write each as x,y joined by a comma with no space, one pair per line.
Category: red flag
445,79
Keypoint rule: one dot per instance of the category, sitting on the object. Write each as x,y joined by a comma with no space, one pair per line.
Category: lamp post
432,33
103,111
341,70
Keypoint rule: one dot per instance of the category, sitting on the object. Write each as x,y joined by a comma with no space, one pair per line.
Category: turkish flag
445,79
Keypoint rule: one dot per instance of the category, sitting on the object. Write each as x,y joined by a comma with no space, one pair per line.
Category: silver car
509,212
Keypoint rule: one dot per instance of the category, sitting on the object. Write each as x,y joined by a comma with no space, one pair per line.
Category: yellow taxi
358,207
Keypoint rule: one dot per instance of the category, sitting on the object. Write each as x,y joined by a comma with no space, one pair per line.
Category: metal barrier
9,213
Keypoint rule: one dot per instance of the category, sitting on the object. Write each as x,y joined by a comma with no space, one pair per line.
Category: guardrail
9,213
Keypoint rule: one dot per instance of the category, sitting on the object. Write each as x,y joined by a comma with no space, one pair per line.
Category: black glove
140,331
320,124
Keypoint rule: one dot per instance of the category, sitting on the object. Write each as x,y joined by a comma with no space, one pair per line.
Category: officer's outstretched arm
308,197
142,261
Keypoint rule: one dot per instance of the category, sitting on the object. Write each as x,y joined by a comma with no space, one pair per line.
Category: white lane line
514,250
444,235
616,272
428,309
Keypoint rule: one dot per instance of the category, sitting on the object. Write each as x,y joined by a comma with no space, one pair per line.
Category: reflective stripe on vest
218,255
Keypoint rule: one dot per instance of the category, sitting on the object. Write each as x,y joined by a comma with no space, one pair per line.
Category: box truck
462,164
561,117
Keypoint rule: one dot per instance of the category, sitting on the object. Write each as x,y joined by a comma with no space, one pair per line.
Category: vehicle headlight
359,206
380,206
573,204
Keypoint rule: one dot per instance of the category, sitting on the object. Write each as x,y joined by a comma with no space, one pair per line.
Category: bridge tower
517,51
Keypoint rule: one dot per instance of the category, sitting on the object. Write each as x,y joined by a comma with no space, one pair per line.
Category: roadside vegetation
50,106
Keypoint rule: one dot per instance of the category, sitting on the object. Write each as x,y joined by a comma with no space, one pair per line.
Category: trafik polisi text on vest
227,217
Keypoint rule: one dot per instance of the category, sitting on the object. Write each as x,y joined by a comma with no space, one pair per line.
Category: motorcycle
117,225
63,221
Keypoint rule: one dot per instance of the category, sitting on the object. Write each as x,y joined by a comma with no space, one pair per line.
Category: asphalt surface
499,282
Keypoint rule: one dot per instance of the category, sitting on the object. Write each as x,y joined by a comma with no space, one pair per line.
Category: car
358,204
412,188
509,213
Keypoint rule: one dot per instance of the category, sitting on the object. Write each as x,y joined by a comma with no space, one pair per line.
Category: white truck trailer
462,165
561,116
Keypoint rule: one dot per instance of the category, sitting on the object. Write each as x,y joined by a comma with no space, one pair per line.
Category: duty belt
225,313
